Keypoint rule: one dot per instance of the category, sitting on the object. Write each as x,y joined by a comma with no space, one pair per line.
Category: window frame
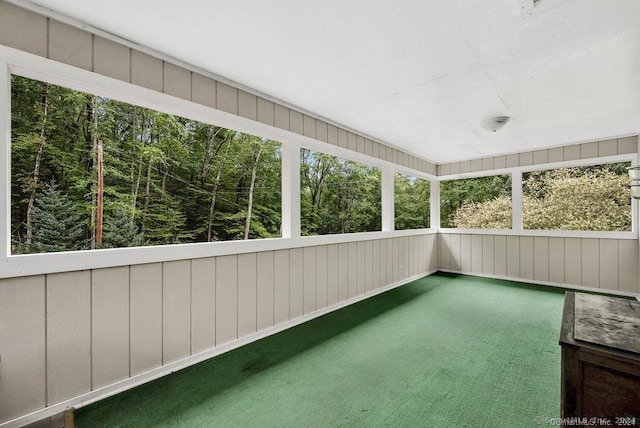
28,65
516,199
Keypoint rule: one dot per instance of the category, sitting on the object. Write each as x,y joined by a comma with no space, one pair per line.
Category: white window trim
516,192
14,61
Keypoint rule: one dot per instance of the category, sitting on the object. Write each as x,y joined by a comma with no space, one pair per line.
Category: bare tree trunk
146,197
214,192
36,170
94,140
247,224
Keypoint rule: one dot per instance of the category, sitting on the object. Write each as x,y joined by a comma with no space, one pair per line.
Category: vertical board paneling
352,275
628,262
375,255
226,299
609,264
145,328
395,263
389,261
476,253
322,263
176,310
110,325
332,274
541,258
360,267
247,294
455,252
445,251
70,45
406,256
465,253
146,71
265,293
368,265
434,252
111,59
572,261
203,304
296,282
590,262
488,251
526,257
556,260
68,335
343,272
22,344
513,256
310,274
281,286
22,29
382,243
500,255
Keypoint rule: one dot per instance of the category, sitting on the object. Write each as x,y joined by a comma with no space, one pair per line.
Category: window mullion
516,200
291,190
387,199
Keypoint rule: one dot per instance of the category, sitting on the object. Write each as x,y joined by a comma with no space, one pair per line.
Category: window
411,202
476,203
593,197
338,195
165,179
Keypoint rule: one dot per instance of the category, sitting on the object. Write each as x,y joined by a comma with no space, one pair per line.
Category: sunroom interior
424,102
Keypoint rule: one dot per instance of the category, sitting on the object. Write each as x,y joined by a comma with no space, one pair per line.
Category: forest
89,172
165,179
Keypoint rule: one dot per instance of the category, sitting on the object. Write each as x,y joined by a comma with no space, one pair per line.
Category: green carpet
442,351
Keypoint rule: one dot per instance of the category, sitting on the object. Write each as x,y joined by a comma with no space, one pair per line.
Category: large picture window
411,202
593,197
91,172
476,203
338,195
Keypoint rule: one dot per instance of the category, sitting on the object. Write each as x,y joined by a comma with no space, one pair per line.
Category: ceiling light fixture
495,123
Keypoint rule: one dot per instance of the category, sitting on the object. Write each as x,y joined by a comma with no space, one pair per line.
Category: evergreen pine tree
120,231
56,222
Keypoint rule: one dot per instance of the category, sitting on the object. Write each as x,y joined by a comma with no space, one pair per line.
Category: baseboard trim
547,283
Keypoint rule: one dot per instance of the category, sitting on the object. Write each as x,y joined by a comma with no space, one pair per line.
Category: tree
584,198
411,202
120,231
56,223
456,193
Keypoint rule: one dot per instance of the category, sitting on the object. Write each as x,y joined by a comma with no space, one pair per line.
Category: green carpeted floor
443,351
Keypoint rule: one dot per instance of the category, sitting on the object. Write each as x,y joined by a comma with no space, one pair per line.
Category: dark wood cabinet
600,341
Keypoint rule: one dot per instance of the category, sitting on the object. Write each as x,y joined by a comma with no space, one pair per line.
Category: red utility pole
100,191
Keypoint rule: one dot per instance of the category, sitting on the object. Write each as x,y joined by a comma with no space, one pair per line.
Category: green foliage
120,230
590,198
586,198
469,192
160,170
492,214
338,195
411,202
57,226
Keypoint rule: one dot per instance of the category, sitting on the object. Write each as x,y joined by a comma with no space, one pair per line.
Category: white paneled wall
609,264
65,334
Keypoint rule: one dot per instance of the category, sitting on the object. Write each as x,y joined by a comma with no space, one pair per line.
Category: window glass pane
593,197
166,179
412,203
476,203
338,195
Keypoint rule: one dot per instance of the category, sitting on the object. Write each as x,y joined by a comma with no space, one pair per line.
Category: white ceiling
420,75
